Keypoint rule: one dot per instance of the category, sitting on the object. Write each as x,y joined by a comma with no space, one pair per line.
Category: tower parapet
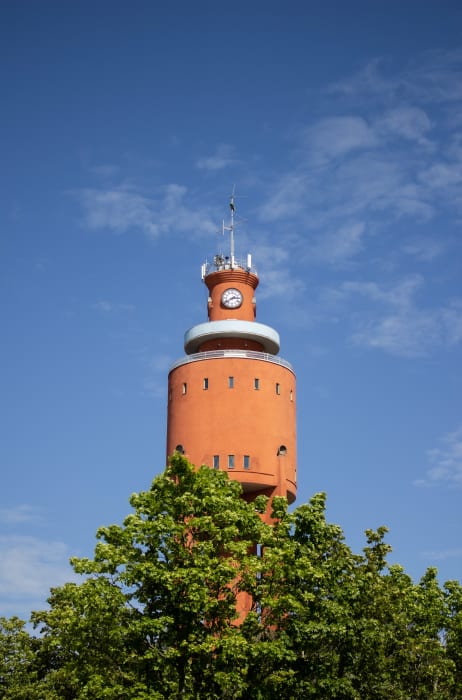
231,400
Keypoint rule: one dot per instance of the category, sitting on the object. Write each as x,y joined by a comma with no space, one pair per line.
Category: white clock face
231,298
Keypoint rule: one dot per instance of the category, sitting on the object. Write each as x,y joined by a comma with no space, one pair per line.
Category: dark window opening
256,383
185,388
206,383
231,382
230,461
216,461
278,388
179,449
282,451
246,461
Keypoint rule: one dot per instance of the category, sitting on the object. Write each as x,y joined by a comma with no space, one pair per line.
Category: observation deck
232,328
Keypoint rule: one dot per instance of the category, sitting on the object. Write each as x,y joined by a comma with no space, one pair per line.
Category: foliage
155,616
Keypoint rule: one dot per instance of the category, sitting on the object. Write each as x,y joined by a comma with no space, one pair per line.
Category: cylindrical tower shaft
232,399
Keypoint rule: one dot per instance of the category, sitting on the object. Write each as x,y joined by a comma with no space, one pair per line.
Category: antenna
230,228
229,262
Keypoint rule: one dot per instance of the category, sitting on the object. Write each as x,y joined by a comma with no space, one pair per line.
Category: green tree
338,625
155,616
17,660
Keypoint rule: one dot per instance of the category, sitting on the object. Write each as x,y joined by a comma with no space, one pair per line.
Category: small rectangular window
216,461
278,388
231,382
206,383
256,383
291,395
185,388
246,461
230,461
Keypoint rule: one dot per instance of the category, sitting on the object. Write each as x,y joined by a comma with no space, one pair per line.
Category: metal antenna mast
221,262
230,228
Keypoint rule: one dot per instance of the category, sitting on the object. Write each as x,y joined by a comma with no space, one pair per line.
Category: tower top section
228,261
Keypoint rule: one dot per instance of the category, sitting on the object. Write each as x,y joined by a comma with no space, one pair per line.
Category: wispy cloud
372,187
410,123
110,307
332,137
222,158
434,76
445,461
154,387
288,197
160,363
154,384
390,157
424,248
443,554
20,514
336,245
107,170
29,567
274,269
389,318
123,209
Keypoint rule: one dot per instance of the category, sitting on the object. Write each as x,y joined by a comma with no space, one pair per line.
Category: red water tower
231,399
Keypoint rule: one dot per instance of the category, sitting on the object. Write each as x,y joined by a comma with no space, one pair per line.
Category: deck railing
220,354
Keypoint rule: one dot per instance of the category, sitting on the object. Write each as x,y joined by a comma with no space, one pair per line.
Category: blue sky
124,127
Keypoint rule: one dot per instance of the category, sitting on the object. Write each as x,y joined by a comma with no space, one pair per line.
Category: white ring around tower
231,328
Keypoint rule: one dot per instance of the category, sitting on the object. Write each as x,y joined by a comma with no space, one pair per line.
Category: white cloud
332,137
446,462
393,322
160,363
222,158
442,175
369,80
452,316
30,566
277,277
105,170
409,334
289,196
19,514
109,307
155,388
391,156
443,554
399,295
434,76
368,190
407,122
121,209
154,384
337,245
424,249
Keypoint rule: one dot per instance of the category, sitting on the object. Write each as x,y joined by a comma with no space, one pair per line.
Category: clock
231,298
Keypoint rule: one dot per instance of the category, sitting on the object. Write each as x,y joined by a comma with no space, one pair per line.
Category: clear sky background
124,126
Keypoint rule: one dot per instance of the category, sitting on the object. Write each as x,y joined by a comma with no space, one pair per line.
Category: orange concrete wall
239,421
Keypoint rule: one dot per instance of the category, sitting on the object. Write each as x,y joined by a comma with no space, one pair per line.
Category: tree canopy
156,613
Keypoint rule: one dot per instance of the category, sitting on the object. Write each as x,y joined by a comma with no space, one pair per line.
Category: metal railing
221,262
220,354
